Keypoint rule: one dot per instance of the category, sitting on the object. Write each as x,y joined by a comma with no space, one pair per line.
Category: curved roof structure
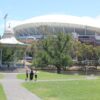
52,24
8,38
63,19
11,40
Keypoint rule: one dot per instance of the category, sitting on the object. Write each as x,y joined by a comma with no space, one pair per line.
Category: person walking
31,74
35,74
27,73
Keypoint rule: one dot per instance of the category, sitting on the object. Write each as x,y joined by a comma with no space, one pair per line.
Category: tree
96,55
54,51
87,54
7,55
11,54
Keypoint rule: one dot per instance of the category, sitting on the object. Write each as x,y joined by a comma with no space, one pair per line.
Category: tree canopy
54,50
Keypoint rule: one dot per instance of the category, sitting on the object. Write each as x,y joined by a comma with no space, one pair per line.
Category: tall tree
54,51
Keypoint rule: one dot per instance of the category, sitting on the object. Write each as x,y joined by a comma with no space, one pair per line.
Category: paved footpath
14,90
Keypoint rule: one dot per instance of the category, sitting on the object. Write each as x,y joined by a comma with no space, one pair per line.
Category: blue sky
25,9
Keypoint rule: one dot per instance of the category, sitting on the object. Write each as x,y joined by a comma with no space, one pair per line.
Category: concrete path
14,90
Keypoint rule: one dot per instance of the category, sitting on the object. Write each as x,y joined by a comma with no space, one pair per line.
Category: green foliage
87,52
54,51
9,54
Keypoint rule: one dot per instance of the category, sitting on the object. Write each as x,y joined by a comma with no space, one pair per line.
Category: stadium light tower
5,21
5,18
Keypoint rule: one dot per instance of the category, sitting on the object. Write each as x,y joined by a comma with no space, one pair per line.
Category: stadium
43,26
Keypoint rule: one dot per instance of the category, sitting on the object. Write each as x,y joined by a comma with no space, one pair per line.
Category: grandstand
43,26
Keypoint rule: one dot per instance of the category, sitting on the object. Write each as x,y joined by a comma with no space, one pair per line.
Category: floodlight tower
5,18
5,21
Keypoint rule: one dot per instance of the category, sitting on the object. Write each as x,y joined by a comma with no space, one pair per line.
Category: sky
19,10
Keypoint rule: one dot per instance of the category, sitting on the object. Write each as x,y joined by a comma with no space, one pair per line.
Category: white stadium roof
88,21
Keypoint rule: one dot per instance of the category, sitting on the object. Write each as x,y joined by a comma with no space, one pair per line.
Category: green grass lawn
63,90
2,94
51,76
66,90
1,76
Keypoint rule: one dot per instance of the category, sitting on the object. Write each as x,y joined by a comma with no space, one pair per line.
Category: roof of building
8,38
62,19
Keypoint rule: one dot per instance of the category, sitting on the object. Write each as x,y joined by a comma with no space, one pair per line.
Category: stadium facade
43,26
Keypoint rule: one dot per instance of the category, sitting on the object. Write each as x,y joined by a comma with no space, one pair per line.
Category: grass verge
66,90
1,76
2,94
52,76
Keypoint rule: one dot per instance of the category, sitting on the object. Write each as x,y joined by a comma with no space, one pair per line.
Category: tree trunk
58,70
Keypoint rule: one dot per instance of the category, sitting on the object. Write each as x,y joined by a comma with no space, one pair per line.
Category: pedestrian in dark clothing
35,74
31,74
